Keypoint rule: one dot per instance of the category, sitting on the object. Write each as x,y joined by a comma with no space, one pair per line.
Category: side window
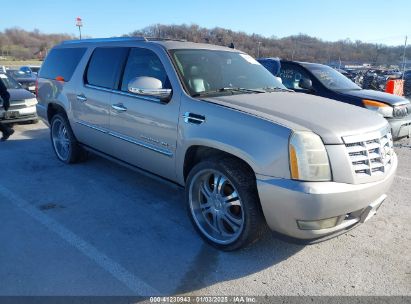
144,62
104,66
291,76
61,63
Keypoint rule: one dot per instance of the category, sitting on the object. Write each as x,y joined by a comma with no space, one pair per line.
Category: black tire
75,153
243,180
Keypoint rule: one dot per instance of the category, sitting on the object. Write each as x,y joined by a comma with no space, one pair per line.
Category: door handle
81,98
192,118
119,107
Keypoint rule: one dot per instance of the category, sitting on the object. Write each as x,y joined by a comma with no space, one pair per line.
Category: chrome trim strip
98,88
128,139
366,136
105,131
147,98
141,144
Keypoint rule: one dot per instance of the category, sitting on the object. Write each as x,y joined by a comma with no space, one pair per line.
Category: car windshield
210,72
332,79
9,82
20,74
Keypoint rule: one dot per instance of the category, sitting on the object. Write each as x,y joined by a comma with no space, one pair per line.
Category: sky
386,22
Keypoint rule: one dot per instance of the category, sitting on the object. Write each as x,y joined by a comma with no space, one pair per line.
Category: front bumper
19,115
400,127
284,202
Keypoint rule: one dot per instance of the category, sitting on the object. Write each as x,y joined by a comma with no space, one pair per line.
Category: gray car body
17,104
255,128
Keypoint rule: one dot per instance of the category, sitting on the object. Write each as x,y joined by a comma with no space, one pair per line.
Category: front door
144,129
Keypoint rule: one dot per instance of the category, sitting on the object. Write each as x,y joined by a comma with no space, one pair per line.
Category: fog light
317,225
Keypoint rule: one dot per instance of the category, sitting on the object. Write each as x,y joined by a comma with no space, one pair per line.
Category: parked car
407,83
27,80
213,120
31,69
322,80
22,103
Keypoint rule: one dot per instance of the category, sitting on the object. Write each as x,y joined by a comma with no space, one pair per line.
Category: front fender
262,144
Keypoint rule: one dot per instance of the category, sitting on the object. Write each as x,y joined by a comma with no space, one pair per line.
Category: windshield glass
20,74
210,72
9,82
332,79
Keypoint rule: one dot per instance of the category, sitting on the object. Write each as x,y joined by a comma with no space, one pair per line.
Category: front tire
63,140
223,203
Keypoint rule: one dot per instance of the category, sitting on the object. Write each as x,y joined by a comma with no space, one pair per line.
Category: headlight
401,111
308,157
30,102
380,107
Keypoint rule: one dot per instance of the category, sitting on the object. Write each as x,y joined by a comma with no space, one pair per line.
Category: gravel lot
97,228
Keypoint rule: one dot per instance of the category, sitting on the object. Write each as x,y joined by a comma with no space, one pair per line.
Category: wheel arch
53,109
201,151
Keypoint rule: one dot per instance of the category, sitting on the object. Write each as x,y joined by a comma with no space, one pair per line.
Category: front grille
372,156
17,107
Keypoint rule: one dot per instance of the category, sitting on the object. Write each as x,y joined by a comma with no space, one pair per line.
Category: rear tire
223,203
64,142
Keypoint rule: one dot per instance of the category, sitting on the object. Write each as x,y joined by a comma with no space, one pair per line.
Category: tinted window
272,65
143,62
61,62
104,66
291,76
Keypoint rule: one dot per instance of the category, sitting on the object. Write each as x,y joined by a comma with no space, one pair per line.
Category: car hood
330,119
376,95
19,94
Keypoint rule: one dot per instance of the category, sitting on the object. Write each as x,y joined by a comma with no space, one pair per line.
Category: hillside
19,44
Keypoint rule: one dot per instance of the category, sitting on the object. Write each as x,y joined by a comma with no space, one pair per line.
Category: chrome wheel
61,140
216,206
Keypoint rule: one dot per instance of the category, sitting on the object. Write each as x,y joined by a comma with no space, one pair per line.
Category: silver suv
248,151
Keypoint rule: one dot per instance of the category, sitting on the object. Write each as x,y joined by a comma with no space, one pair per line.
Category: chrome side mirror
149,86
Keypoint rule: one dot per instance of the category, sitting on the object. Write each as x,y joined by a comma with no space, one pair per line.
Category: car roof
305,64
169,44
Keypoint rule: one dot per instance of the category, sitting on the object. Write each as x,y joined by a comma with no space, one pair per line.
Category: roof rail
164,39
105,40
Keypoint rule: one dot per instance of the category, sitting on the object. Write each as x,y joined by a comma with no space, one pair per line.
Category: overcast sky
375,21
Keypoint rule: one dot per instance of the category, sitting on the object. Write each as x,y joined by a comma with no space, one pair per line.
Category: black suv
322,80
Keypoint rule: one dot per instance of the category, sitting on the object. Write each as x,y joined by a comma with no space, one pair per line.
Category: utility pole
403,57
258,49
79,24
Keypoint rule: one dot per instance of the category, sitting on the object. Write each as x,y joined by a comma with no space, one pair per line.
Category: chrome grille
372,156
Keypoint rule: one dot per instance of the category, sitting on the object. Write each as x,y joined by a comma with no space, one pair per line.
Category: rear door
144,129
91,105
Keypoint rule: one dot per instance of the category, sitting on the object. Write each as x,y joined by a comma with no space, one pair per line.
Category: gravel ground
97,228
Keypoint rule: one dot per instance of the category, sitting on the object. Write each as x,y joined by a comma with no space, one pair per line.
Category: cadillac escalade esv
248,151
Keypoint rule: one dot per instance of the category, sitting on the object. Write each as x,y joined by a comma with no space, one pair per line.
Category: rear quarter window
61,63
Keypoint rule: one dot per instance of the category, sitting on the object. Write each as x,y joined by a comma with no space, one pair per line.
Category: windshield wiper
228,89
277,89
